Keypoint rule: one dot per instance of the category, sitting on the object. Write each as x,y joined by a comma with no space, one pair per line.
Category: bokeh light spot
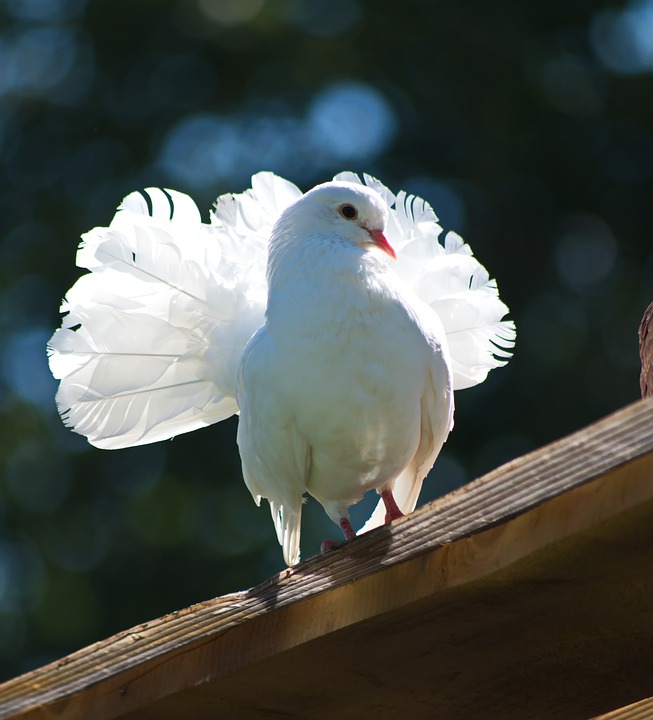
201,149
623,39
40,59
351,121
45,10
345,121
570,85
25,366
586,254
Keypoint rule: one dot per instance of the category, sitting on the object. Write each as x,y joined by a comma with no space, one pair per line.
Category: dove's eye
349,212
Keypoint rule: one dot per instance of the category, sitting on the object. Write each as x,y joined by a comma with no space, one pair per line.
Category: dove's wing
437,411
275,458
450,280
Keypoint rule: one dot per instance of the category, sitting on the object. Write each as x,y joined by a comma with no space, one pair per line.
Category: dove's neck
322,276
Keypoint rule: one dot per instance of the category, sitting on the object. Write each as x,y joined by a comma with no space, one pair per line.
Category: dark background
528,126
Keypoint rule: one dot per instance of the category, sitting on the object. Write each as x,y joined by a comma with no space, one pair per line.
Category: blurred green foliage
529,128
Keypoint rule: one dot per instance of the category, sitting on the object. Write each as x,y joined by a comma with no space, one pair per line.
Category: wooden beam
637,711
526,594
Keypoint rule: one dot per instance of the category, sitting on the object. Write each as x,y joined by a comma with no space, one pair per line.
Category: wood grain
526,594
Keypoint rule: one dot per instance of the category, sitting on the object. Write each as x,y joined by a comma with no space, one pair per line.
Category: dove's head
352,213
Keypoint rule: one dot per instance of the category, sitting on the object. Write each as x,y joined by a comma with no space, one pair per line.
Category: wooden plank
642,710
446,606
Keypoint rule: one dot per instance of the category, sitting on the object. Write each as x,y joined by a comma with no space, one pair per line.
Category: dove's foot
392,511
327,545
347,530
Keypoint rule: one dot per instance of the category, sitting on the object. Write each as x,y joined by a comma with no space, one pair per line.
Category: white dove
343,375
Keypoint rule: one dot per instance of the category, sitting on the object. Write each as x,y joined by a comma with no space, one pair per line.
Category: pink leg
392,511
347,530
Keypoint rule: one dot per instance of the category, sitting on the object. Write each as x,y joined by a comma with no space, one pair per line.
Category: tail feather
287,524
129,379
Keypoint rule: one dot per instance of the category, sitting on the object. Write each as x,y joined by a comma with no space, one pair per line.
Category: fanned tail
153,334
152,337
451,280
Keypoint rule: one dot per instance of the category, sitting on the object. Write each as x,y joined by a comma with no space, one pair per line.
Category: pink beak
378,238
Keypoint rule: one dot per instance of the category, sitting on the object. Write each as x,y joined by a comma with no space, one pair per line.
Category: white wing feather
435,427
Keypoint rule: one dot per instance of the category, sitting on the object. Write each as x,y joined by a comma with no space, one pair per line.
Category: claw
328,545
347,530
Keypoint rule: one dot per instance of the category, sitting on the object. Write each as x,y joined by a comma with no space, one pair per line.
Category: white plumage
346,381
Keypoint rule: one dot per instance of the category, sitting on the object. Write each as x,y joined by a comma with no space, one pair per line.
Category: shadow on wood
526,594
